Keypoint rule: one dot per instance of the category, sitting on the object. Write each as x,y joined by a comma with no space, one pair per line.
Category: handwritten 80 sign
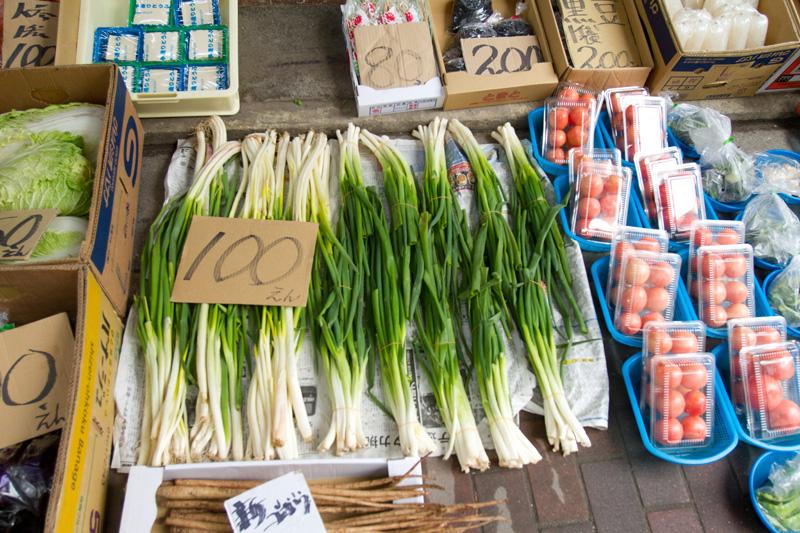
249,262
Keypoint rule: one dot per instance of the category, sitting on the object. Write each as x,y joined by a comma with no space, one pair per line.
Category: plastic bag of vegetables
779,499
683,119
784,293
776,173
772,229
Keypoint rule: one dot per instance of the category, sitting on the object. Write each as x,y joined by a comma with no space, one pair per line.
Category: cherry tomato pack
568,124
746,333
724,283
710,233
576,156
646,290
679,201
613,102
644,120
771,389
647,168
627,239
600,203
679,397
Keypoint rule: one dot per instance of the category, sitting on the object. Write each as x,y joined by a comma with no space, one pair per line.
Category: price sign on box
500,55
394,55
20,231
35,371
29,34
249,262
598,34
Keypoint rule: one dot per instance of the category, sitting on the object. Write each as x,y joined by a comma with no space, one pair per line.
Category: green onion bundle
441,233
494,263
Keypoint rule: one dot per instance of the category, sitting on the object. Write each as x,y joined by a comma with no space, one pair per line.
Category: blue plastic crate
688,151
723,368
791,331
759,474
724,437
636,204
762,306
761,263
788,198
683,306
535,125
728,207
561,186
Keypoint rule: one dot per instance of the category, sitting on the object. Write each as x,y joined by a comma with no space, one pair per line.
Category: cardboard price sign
500,55
598,34
35,371
20,231
250,262
394,55
29,32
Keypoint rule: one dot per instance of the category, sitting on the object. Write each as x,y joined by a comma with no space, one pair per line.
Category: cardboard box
786,78
700,75
598,78
373,102
464,90
108,248
78,493
139,512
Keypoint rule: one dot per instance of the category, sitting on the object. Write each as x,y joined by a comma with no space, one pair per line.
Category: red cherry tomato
609,204
714,292
669,431
588,98
702,237
780,366
736,292
576,137
694,428
647,244
693,289
637,271
590,185
713,266
657,299
742,337
767,335
695,376
661,274
735,266
630,113
613,184
568,93
695,403
670,403
556,156
652,317
729,236
620,249
658,341
579,117
715,316
558,118
629,323
684,342
737,311
557,139
588,208
785,416
633,299
771,391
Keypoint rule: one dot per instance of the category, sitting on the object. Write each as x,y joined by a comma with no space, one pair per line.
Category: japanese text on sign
29,32
598,35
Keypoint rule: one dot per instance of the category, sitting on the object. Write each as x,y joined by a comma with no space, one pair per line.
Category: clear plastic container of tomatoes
627,239
644,120
646,291
679,393
608,156
600,203
613,99
725,283
771,389
568,124
647,168
570,91
680,201
746,333
710,233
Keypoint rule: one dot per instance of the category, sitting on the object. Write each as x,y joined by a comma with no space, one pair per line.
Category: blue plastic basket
788,198
688,151
791,331
723,367
724,438
762,306
636,204
560,187
759,474
683,305
728,207
761,263
535,126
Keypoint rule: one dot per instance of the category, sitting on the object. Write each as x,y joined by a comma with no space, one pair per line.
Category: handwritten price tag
598,35
394,55
29,37
281,505
500,55
20,231
35,369
250,262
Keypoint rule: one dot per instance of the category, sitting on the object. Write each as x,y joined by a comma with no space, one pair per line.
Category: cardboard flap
394,55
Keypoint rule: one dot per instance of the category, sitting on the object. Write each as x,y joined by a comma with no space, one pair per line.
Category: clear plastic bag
779,499
729,173
772,228
773,173
784,293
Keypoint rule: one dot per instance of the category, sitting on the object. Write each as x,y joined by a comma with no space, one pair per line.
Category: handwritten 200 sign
20,231
250,262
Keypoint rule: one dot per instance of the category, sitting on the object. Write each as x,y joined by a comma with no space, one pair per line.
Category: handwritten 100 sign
249,262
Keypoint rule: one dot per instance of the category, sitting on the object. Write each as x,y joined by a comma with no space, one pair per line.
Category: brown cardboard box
108,248
700,75
466,90
78,493
597,78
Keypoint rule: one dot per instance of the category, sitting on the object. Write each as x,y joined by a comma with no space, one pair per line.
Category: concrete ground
293,76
